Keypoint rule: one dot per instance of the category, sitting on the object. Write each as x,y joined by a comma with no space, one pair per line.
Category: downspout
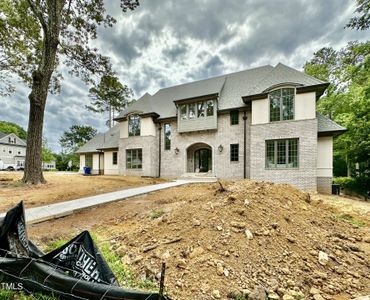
160,149
245,144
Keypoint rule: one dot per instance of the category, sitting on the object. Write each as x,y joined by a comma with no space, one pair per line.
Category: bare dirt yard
61,186
253,238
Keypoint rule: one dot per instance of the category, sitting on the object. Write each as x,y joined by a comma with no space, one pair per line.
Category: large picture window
134,159
134,125
282,104
167,136
282,154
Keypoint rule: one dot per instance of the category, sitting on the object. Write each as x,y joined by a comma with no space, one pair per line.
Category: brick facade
303,177
174,165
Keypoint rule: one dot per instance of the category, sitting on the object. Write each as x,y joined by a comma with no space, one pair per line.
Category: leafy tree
348,100
361,22
47,154
63,159
109,96
9,127
75,137
36,36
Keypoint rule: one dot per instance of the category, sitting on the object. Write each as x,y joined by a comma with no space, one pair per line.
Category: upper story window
134,125
11,140
197,110
167,136
281,104
234,117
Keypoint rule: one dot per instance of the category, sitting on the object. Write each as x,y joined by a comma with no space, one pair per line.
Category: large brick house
259,123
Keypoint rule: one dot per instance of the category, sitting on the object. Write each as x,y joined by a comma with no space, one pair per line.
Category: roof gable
4,139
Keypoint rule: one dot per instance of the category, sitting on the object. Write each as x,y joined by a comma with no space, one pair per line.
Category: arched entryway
199,158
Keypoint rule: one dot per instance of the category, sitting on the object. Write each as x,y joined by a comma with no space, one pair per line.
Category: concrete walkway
57,210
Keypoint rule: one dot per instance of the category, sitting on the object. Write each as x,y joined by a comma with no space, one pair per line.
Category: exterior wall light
220,148
177,150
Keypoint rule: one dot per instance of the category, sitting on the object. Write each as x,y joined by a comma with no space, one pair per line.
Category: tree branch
38,15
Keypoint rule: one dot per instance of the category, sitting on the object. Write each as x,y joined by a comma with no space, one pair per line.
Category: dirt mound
252,237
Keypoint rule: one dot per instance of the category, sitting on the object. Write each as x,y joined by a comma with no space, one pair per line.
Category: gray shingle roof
231,88
2,134
326,125
107,140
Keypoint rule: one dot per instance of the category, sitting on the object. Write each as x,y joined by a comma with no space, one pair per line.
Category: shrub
359,185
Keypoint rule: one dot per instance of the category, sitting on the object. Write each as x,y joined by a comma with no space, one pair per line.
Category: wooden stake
161,282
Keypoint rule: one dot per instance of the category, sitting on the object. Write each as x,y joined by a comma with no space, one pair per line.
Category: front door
203,160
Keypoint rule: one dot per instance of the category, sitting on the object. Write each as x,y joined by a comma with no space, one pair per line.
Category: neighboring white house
259,123
13,153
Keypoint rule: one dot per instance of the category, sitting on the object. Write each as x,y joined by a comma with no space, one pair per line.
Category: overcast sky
168,42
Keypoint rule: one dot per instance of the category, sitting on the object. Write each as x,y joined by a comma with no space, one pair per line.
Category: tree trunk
33,165
40,87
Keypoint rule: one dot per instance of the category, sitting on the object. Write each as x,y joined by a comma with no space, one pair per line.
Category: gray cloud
163,43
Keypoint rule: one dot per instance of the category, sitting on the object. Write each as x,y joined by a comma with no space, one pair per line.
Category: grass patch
11,295
350,220
125,275
156,213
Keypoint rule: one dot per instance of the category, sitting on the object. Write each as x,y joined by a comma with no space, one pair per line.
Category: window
134,125
183,112
197,110
234,117
234,152
134,159
11,140
282,154
10,151
282,104
192,111
167,136
201,109
114,158
210,108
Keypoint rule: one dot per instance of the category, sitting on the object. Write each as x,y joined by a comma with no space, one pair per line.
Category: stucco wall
325,156
304,108
303,177
82,162
109,167
95,167
260,111
147,128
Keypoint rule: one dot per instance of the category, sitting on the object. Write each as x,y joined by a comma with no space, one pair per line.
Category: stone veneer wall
304,177
324,184
174,165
